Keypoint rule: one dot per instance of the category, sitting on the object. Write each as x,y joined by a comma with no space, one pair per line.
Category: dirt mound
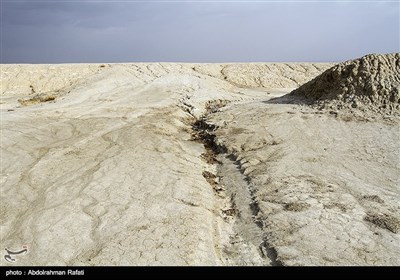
370,83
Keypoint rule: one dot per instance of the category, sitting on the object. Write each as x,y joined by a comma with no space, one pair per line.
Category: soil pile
369,84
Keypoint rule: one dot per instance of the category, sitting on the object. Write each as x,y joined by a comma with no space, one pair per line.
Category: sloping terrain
370,84
190,164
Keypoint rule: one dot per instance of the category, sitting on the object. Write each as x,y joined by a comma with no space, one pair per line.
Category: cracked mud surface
190,164
327,189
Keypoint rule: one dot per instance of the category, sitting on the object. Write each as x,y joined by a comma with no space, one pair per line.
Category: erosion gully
248,242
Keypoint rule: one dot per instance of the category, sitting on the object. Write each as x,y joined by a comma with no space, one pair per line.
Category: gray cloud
85,31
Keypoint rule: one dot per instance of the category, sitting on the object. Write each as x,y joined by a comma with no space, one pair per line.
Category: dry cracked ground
191,164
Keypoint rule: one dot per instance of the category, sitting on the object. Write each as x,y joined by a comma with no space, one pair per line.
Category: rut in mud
248,244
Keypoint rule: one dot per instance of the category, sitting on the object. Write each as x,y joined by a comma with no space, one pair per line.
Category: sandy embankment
118,165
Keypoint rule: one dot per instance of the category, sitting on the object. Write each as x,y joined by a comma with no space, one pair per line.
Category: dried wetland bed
202,164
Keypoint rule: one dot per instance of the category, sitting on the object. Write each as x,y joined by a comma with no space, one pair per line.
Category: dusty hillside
36,79
190,164
267,75
370,83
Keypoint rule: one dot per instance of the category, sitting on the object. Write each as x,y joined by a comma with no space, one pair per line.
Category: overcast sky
196,31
